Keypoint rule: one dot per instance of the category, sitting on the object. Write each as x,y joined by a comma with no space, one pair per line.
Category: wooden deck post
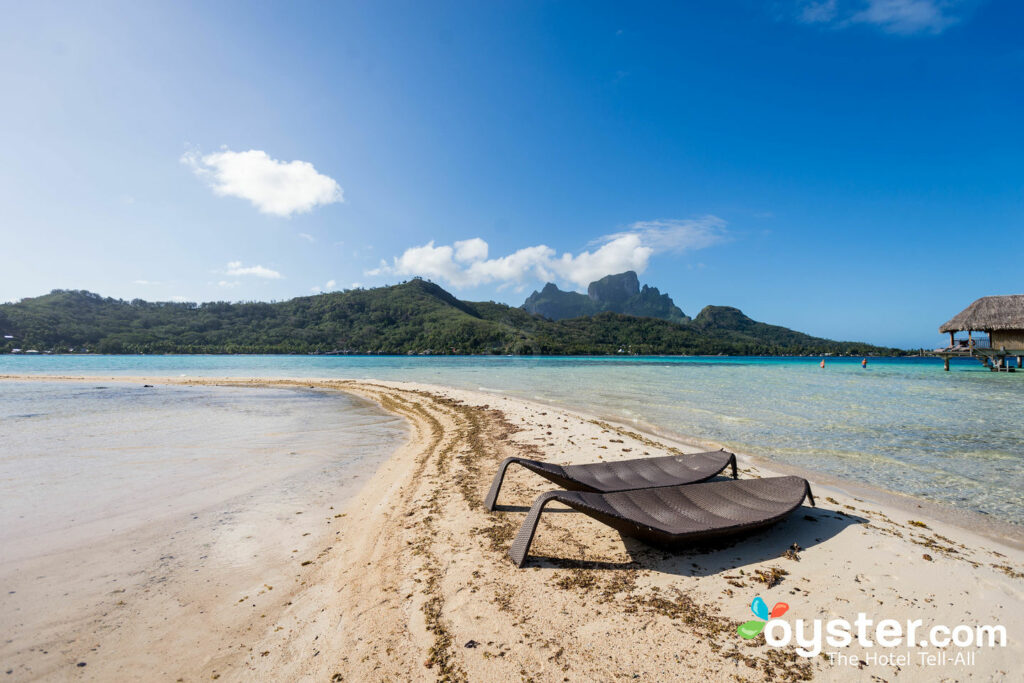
945,363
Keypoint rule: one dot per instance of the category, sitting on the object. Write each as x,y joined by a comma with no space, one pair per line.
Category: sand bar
413,581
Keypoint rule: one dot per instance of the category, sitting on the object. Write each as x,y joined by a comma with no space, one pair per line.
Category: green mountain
613,293
413,317
729,323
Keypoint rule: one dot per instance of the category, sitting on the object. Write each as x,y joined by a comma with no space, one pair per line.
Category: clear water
901,424
79,461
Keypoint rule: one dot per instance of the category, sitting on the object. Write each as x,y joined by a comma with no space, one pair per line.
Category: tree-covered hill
413,317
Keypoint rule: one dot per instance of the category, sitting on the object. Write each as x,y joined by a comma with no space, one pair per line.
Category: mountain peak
723,317
618,293
614,288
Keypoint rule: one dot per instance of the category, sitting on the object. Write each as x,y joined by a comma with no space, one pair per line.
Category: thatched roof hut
989,313
999,317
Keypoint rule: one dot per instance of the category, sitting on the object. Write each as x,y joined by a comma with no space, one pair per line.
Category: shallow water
82,462
899,424
128,515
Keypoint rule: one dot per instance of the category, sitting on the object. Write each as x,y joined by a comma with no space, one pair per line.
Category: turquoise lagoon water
901,424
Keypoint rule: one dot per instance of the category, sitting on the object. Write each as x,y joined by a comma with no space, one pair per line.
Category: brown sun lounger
625,475
676,515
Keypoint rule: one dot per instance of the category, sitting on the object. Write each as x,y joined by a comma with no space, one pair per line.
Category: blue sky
852,169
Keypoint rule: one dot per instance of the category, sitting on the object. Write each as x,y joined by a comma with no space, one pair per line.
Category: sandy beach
410,579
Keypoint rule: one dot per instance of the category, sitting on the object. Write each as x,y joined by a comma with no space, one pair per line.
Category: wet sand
413,582
130,513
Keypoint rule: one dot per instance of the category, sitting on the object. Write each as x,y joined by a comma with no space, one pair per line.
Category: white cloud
818,12
328,286
145,282
623,252
228,284
907,16
893,16
281,188
471,250
465,263
179,299
677,235
236,268
306,236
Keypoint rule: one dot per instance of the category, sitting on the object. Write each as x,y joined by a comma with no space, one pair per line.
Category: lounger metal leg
521,545
810,495
735,474
492,495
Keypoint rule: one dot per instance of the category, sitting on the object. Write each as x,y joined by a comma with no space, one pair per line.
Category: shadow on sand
806,527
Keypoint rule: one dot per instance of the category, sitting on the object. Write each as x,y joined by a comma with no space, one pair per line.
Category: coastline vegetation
415,317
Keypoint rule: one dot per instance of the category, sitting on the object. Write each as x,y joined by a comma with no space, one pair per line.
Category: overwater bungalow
995,333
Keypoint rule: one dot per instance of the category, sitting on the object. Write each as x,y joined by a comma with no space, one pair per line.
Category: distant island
415,317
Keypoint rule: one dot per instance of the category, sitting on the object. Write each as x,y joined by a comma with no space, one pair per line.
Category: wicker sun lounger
674,515
625,475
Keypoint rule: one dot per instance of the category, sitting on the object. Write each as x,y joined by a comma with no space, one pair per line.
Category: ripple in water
900,424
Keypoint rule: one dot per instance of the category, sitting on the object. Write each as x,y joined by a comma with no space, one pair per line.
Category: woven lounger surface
624,475
674,515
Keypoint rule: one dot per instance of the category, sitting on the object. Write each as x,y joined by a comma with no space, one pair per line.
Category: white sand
416,569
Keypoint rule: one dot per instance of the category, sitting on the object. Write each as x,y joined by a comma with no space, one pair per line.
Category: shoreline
1001,531
125,560
589,604
996,529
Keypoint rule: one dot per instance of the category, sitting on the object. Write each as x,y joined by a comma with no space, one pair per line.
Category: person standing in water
822,362
864,363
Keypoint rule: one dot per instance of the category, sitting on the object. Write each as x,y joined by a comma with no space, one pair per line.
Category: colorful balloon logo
750,629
